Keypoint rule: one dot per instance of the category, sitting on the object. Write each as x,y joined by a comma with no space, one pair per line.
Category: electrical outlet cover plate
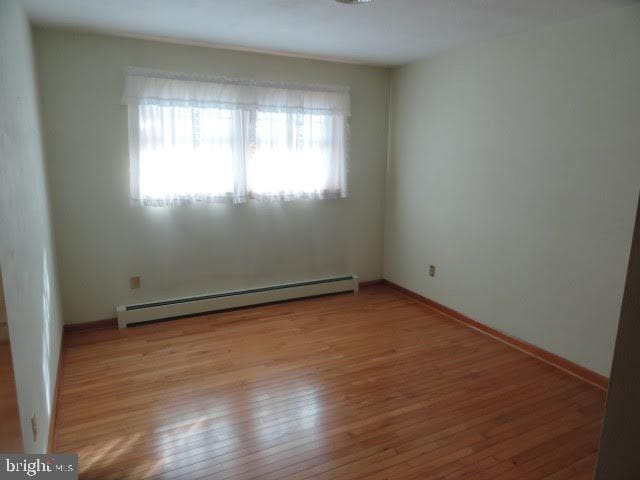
135,282
34,428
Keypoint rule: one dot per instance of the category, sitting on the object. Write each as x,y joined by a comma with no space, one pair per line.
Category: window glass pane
190,153
292,155
185,151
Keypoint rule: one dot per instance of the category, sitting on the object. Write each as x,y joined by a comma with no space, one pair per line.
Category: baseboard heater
180,307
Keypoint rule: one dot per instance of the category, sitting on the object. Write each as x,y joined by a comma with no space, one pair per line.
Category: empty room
320,239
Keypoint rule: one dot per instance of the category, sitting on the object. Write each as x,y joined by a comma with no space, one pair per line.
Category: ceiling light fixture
354,2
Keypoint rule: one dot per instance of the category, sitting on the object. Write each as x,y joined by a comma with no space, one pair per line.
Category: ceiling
386,32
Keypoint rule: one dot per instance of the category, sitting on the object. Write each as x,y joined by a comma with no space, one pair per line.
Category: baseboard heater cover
180,307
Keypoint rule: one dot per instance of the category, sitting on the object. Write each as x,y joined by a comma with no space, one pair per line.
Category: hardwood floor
374,386
10,435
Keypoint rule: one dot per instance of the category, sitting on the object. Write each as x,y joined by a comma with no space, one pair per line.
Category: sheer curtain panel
212,139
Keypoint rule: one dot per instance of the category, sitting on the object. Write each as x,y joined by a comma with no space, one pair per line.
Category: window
211,139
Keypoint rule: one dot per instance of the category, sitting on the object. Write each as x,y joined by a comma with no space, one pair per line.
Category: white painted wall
202,248
26,248
515,168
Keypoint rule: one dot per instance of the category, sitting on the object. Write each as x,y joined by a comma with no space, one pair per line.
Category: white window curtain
210,139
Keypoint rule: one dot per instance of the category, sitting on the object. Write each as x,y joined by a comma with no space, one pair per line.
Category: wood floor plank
374,385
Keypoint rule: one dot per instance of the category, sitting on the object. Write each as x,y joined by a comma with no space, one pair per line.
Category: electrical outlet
432,270
34,428
135,282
